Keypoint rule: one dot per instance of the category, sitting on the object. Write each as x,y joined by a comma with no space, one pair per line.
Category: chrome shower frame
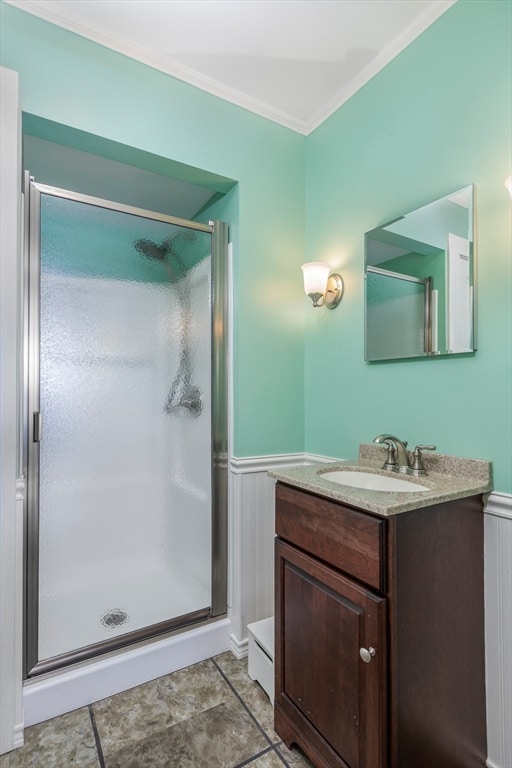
32,428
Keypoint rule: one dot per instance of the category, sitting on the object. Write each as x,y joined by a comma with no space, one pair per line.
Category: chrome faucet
398,459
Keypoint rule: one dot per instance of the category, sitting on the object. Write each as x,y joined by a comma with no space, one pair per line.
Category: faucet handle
417,467
391,462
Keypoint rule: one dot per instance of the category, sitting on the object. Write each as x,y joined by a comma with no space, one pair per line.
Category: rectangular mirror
419,282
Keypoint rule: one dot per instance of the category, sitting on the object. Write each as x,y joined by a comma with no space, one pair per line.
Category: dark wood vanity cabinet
379,658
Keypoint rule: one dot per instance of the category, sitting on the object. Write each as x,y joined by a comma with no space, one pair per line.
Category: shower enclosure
125,433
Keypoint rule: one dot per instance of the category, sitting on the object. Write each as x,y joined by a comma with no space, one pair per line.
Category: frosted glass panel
395,317
125,462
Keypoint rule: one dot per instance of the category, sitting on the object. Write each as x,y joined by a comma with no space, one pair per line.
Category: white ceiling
292,61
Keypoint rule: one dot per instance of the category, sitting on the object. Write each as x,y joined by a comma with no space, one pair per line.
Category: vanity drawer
351,541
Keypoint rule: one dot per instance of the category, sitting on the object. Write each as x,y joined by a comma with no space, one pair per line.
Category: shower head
167,252
151,250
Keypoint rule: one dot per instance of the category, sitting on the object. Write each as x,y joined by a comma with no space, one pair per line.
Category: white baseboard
237,648
18,739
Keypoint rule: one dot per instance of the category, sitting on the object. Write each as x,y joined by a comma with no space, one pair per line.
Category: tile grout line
281,756
242,702
96,737
273,746
257,756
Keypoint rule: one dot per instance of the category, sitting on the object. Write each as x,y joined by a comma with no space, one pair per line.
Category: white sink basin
371,482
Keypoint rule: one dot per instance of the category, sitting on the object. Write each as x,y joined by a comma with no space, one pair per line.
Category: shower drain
114,618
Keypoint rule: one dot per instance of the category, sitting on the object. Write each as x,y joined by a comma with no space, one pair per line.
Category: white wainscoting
252,582
498,628
251,543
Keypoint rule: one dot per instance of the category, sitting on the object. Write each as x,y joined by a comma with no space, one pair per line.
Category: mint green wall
72,81
436,118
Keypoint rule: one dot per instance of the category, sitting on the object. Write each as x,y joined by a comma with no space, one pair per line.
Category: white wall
11,488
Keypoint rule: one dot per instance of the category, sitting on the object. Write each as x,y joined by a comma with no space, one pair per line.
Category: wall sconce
508,184
324,289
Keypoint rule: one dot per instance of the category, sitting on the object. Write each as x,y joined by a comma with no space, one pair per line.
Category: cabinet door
336,700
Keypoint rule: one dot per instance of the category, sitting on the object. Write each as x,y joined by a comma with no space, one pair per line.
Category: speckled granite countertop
448,478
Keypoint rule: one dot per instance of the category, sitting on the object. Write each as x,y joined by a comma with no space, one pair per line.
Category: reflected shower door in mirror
419,278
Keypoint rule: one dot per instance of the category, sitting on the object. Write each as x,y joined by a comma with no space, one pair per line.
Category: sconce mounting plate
334,291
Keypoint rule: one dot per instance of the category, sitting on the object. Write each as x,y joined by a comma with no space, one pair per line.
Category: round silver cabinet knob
367,654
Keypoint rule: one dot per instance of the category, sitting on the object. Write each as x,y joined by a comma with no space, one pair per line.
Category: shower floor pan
70,621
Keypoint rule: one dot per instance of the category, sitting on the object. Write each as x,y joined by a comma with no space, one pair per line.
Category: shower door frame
33,429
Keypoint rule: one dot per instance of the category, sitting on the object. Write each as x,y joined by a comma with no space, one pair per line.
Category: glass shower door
124,480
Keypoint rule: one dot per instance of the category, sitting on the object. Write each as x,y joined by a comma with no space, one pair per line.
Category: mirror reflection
419,277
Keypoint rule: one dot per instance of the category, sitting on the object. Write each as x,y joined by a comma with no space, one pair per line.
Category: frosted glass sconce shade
323,289
508,184
316,275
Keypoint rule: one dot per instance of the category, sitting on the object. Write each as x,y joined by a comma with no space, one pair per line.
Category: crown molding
45,11
168,66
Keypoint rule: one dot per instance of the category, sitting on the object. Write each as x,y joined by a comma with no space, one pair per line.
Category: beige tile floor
210,715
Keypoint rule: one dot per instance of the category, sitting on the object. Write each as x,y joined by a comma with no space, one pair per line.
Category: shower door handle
37,430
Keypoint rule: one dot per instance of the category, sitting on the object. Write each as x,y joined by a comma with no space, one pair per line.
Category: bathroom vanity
380,620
